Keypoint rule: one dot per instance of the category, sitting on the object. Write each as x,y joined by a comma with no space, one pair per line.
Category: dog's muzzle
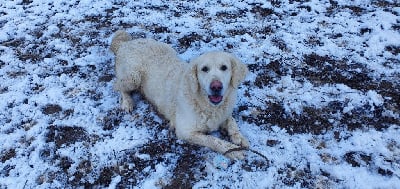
216,90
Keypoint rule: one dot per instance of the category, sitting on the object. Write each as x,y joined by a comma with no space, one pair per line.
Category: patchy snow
321,100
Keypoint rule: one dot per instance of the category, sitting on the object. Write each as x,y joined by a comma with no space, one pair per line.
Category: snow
61,127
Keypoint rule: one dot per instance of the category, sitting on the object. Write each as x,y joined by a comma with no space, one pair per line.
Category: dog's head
214,73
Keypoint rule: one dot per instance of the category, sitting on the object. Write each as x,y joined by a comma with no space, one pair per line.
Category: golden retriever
196,97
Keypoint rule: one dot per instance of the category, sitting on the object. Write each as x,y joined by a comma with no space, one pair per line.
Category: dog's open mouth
215,99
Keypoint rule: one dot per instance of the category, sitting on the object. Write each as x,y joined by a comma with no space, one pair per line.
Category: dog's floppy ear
191,77
239,71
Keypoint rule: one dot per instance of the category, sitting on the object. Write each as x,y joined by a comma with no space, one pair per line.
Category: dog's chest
212,122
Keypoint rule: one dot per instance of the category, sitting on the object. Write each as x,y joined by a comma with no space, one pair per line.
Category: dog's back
150,66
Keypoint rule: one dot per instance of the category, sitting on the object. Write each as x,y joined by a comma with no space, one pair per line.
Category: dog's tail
119,37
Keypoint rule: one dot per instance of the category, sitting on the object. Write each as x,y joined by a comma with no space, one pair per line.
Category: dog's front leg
233,131
215,144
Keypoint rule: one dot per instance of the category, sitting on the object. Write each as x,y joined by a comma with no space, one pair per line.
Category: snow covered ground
321,102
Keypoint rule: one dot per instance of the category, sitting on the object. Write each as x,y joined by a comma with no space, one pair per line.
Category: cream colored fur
180,91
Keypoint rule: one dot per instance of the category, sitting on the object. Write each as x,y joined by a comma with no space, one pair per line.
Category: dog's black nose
216,86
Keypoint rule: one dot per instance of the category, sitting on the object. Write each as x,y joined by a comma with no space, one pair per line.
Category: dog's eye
205,69
223,67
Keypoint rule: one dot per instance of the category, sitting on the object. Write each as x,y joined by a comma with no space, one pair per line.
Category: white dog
197,98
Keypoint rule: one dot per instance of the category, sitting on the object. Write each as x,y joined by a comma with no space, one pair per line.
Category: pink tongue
215,99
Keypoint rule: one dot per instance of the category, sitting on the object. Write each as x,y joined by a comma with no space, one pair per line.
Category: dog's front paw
239,139
236,155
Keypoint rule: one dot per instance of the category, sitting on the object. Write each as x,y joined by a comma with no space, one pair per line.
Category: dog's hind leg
126,86
126,101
